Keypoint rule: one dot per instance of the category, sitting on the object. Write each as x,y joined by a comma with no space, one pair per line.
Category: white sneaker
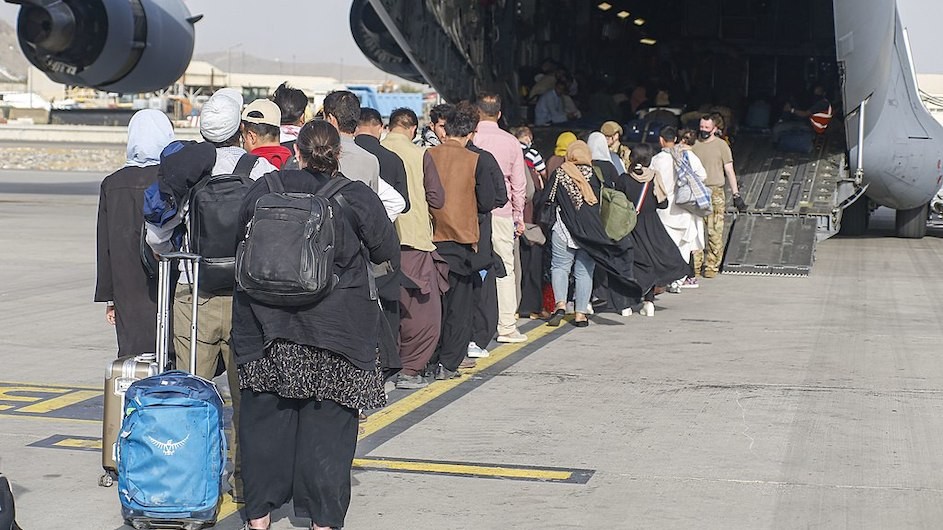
569,308
675,287
589,309
476,352
648,309
627,312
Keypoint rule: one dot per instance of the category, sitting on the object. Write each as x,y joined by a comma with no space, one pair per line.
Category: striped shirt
533,159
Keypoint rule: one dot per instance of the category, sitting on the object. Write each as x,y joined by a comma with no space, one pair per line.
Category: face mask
704,134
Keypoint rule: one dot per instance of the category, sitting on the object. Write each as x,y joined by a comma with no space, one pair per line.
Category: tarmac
752,402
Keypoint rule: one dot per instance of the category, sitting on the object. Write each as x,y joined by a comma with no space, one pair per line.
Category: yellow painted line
226,507
79,443
6,393
60,402
384,417
462,469
50,388
6,407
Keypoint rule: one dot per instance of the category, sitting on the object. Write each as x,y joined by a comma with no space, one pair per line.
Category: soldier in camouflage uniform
718,161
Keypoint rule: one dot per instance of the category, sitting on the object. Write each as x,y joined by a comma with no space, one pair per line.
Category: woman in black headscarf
579,232
657,260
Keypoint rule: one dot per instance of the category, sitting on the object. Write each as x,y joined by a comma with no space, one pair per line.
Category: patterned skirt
296,371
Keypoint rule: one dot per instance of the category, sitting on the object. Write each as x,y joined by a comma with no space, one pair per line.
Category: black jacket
392,169
346,321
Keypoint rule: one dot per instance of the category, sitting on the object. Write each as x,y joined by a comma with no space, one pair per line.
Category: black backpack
292,162
287,255
213,226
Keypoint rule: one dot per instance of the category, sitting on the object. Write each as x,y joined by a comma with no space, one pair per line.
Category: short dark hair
404,117
264,130
462,121
523,130
440,111
669,133
688,136
489,104
291,101
370,116
345,107
320,146
641,157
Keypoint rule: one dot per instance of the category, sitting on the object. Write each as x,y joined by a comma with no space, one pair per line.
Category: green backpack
616,210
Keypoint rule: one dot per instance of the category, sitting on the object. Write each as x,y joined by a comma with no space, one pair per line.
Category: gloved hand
739,203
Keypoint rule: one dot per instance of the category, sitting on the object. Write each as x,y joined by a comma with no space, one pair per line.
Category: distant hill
245,63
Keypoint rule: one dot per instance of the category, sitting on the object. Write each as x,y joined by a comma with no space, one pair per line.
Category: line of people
438,225
464,227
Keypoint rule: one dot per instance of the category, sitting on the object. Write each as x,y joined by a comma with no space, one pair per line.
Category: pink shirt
507,151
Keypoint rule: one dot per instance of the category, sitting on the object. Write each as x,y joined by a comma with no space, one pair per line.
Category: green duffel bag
616,210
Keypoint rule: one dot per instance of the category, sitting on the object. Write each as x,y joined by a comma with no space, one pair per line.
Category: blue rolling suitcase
171,447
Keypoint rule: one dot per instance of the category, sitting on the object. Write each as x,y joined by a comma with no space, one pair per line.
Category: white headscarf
149,132
598,147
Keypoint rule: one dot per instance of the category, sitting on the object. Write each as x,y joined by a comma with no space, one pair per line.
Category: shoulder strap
598,173
641,197
244,165
274,182
333,186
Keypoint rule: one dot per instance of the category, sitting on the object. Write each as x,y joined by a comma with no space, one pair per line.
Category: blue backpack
171,450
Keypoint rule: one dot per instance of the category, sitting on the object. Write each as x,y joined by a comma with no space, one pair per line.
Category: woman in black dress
305,371
657,260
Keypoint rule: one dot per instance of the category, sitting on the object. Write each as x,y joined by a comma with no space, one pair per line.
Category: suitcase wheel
107,480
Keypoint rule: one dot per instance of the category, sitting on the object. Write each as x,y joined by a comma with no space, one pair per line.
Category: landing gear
854,218
912,223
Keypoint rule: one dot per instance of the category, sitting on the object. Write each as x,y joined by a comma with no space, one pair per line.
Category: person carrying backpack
188,173
306,368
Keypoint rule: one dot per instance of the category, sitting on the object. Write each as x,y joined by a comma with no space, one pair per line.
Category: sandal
556,318
580,323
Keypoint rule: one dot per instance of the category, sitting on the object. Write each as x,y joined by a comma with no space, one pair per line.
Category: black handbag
546,215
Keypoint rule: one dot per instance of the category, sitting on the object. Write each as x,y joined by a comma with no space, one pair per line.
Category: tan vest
457,220
415,226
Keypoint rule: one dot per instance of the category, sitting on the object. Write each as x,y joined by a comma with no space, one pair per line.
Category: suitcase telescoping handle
164,296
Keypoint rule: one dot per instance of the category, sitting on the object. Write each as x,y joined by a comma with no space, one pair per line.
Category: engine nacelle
114,45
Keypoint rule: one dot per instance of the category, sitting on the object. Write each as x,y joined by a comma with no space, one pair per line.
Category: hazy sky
319,30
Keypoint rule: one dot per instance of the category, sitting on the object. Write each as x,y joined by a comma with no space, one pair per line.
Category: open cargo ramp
792,201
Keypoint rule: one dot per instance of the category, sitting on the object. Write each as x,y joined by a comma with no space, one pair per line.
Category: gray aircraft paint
902,142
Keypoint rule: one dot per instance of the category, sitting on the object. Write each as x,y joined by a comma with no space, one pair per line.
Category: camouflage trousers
714,232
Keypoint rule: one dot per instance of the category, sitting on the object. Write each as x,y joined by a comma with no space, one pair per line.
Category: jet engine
121,46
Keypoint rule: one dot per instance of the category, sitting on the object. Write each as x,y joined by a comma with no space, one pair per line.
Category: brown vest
457,220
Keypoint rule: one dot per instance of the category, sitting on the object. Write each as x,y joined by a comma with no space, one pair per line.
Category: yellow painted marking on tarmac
6,393
463,469
46,387
79,443
226,507
383,417
61,402
6,407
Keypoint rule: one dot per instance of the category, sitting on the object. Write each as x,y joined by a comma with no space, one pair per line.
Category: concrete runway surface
752,402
